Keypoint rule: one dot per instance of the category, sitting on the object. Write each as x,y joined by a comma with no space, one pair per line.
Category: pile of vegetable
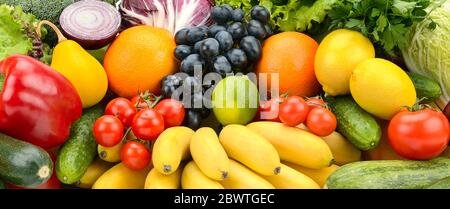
225,94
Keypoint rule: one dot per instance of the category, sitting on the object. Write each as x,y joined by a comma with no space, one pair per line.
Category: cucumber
425,87
358,126
440,184
22,163
80,149
389,174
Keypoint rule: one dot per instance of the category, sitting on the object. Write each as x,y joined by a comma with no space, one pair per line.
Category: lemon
381,88
337,56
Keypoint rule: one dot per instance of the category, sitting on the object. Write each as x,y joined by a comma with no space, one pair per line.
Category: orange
138,60
291,54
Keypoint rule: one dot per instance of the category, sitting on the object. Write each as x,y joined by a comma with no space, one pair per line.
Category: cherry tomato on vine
270,110
293,111
314,102
321,121
123,109
135,155
172,112
138,102
147,124
419,135
108,131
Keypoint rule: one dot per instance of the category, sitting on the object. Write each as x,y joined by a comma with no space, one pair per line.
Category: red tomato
314,102
135,155
172,112
123,109
138,102
52,183
147,124
321,121
293,111
419,135
270,110
108,131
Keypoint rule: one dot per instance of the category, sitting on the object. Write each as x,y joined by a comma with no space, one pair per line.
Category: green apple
235,100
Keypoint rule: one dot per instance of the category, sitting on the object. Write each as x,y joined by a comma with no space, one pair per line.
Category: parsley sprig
385,22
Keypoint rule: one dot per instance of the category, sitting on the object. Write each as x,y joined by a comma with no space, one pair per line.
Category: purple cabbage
172,15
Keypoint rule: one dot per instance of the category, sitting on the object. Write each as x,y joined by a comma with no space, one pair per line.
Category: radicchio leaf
172,15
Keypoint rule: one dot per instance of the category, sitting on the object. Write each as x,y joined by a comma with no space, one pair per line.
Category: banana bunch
261,155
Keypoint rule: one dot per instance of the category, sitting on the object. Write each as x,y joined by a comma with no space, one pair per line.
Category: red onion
91,23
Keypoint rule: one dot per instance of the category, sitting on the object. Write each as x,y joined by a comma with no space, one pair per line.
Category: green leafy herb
385,22
18,36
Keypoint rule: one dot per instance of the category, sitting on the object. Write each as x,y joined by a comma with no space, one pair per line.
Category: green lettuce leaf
12,38
298,15
17,33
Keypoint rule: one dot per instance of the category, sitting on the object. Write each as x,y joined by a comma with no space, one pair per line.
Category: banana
295,145
343,151
209,155
93,172
291,179
250,149
121,177
193,178
170,148
110,154
318,175
156,180
240,177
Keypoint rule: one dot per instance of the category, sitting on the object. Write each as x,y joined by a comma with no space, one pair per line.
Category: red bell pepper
37,104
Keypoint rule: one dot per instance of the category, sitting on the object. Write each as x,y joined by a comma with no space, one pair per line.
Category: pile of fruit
224,96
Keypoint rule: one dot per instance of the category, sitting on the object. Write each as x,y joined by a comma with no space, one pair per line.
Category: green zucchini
80,149
389,174
358,126
440,184
22,163
425,87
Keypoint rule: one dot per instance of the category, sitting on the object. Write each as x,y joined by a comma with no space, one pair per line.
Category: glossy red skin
269,110
172,112
293,111
123,109
147,124
315,102
135,155
419,135
52,183
108,131
321,121
138,102
37,104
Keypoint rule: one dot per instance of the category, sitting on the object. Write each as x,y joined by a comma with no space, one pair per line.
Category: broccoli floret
42,9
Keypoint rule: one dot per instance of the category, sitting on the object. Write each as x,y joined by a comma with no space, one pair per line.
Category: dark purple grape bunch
196,112
230,45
